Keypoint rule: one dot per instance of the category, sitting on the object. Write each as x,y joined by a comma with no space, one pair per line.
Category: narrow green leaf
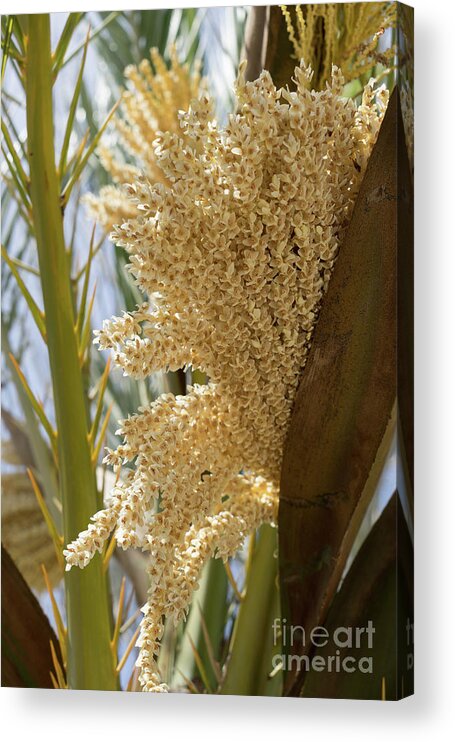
85,332
83,301
72,111
22,210
97,449
99,407
18,33
61,628
12,99
71,24
15,157
118,619
6,45
95,33
128,651
210,651
19,70
232,582
200,665
37,406
25,266
81,163
17,180
58,668
51,527
78,151
37,314
42,457
75,222
96,250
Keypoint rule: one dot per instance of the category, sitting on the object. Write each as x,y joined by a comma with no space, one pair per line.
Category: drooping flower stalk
234,250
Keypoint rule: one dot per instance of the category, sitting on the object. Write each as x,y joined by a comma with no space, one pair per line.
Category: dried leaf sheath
345,396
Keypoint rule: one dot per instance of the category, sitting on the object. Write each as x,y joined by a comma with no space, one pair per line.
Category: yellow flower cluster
250,502
234,252
149,106
345,33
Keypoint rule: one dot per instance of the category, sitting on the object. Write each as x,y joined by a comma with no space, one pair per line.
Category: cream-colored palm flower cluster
346,32
234,253
150,105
